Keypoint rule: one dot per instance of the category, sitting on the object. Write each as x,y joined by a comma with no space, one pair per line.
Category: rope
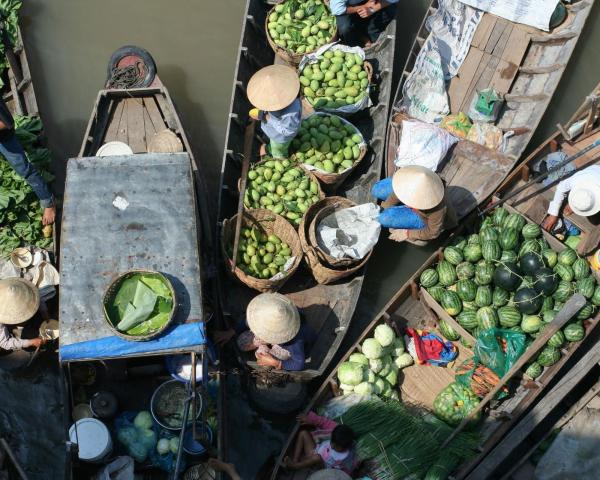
131,76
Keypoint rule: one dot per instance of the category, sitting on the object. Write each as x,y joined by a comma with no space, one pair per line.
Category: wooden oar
248,139
540,177
573,305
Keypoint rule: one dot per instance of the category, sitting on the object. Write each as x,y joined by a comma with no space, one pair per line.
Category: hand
398,234
37,342
287,462
567,211
302,419
221,337
49,216
363,11
549,222
267,360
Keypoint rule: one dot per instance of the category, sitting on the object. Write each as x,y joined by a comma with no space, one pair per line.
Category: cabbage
346,388
379,386
384,335
376,365
350,373
174,444
128,436
143,420
162,447
138,452
359,358
372,349
397,347
364,388
147,438
394,395
387,366
371,376
392,377
404,360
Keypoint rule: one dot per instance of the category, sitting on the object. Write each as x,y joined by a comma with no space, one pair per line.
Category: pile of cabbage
140,438
374,370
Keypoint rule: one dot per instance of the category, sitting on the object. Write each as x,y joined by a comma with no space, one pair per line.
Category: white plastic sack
315,57
121,468
337,406
350,233
423,144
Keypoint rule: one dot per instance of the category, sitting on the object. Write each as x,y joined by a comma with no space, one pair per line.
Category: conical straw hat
584,198
418,187
330,474
273,318
165,141
19,300
273,88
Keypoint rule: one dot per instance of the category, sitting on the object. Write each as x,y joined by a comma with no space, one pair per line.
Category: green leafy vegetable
139,309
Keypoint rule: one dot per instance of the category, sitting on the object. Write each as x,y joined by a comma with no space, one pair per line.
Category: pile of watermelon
507,276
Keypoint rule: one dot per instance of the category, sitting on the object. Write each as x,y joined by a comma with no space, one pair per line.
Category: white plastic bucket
93,439
114,149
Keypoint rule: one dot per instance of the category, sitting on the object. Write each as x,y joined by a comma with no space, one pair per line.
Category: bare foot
398,235
221,466
263,150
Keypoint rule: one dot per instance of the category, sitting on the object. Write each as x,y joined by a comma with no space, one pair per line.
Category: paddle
248,139
540,177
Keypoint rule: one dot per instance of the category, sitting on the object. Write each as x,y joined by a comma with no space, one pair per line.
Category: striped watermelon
453,255
451,302
473,239
446,273
581,268
484,272
557,340
563,291
518,329
447,331
531,323
558,305
548,315
470,306
596,296
500,297
567,256
488,234
429,278
532,245
586,312
466,290
550,257
508,239
565,272
548,356
574,332
436,292
499,216
531,230
509,256
483,297
465,270
547,304
509,316
472,252
586,286
487,318
467,319
490,249
514,220
459,242
534,370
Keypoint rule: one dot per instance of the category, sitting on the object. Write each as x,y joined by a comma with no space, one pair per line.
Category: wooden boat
327,308
520,62
534,201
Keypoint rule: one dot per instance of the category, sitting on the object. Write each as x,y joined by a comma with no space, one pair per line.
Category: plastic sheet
423,144
500,359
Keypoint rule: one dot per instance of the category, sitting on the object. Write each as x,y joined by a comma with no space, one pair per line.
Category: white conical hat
330,474
418,187
273,318
165,141
273,88
19,300
584,197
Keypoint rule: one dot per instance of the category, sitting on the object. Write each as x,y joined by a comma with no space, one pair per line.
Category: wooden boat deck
18,92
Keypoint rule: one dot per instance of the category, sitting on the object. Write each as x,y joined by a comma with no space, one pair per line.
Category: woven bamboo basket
291,58
323,272
269,223
311,176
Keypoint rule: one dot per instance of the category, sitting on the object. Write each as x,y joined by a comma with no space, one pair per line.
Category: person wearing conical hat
273,91
424,212
19,302
273,330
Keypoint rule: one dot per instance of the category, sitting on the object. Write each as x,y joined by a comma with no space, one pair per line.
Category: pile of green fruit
261,255
301,26
281,187
327,142
507,276
336,80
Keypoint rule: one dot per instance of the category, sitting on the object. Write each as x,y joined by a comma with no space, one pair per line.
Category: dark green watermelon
531,262
528,300
507,276
545,281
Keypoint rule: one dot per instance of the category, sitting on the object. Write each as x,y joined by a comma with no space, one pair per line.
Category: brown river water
194,43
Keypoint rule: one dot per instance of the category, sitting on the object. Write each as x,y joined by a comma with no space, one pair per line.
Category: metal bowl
167,388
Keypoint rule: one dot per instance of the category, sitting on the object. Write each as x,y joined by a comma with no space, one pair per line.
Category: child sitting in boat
328,445
360,22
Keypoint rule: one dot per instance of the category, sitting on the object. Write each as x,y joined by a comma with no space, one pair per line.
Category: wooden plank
113,127
512,58
154,114
483,62
122,128
167,112
484,79
498,50
495,35
149,131
485,27
441,313
565,385
135,125
460,83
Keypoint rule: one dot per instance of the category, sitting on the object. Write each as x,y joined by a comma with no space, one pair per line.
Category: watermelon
596,296
436,292
531,230
459,242
565,272
483,297
487,318
517,329
507,276
509,256
586,286
527,282
574,332
586,312
532,245
557,340
514,220
488,234
528,300
508,239
509,316
429,278
484,272
500,297
451,302
447,331
581,268
465,270
486,223
530,263
472,252
548,315
550,257
534,370
563,292
453,255
446,273
470,306
466,290
558,305
547,304
545,281
499,216
548,356
490,250
567,257
531,323
473,239
467,319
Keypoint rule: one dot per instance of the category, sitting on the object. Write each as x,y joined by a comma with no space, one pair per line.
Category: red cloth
431,349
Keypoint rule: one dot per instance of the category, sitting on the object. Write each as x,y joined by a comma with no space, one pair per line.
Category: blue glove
401,217
382,189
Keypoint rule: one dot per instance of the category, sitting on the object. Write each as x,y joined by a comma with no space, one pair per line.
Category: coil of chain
131,76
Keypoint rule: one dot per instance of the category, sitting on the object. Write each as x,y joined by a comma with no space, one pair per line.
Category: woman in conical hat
273,91
424,213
